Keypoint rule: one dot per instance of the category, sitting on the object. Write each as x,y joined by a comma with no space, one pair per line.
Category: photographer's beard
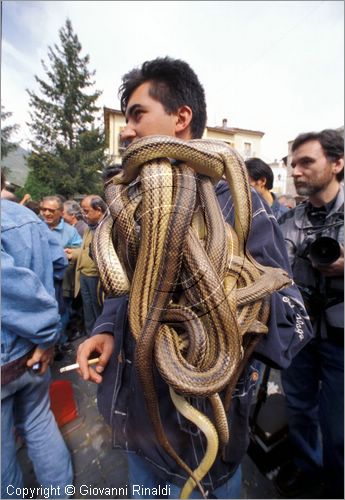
315,186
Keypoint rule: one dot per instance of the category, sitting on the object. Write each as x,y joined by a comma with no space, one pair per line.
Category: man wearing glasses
51,210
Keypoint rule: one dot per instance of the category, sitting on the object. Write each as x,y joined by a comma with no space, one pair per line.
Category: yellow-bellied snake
194,289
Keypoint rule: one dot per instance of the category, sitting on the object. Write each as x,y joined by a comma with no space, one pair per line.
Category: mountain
17,167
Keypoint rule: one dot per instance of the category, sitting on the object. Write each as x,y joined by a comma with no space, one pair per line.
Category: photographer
314,382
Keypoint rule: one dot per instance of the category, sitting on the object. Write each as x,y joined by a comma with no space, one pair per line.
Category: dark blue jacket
277,208
120,396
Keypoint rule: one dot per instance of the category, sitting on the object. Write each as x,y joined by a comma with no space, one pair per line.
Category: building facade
246,142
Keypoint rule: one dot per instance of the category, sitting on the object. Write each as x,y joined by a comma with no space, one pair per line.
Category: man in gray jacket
314,382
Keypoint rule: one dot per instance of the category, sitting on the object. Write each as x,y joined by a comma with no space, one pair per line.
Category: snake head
279,279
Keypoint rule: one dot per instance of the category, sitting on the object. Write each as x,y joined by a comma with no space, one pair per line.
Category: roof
235,130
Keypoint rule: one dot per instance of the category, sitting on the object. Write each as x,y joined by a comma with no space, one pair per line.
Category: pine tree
6,132
68,147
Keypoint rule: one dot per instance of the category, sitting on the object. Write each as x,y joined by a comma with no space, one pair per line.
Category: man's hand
43,356
68,253
102,343
26,197
335,269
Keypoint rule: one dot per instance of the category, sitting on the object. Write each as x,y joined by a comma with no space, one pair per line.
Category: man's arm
101,341
103,344
28,309
72,254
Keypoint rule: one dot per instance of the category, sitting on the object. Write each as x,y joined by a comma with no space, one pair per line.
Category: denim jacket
120,396
31,258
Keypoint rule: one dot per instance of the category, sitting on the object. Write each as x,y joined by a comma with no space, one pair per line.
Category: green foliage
68,148
6,133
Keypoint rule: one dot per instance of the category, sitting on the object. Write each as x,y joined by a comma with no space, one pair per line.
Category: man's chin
302,190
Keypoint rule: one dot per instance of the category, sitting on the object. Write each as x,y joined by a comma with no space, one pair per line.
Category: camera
324,251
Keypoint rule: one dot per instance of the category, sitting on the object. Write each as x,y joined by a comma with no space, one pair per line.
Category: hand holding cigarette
75,366
102,345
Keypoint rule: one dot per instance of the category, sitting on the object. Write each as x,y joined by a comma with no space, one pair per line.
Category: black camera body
320,251
324,251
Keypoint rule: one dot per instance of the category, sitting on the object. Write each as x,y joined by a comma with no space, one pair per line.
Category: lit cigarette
76,365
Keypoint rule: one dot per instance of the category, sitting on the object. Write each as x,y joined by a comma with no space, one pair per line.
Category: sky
272,66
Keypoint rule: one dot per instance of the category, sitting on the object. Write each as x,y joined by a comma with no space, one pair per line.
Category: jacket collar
301,209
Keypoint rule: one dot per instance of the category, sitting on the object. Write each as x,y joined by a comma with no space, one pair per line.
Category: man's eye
305,163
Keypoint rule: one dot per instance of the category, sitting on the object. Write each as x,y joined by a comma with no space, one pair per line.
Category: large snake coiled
195,290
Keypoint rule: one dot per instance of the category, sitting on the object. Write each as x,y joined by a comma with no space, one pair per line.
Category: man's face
259,185
146,116
312,171
71,219
91,215
51,212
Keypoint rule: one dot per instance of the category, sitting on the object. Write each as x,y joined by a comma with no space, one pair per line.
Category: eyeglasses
49,210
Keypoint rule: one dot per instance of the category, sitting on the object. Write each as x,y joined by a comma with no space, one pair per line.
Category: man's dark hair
173,84
111,170
34,206
258,169
97,203
332,143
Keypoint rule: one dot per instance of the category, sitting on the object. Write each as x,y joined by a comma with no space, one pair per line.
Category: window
247,149
122,146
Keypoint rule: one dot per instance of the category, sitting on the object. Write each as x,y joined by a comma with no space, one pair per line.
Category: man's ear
262,182
338,165
184,117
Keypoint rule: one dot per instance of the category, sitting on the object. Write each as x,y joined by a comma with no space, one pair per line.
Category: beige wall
255,145
237,139
218,136
114,122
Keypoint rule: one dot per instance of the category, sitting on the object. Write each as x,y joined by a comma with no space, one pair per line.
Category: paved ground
97,465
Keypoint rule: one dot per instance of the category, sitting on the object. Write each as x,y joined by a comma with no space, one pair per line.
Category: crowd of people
47,265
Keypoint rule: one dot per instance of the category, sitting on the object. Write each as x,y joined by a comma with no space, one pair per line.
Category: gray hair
73,208
57,199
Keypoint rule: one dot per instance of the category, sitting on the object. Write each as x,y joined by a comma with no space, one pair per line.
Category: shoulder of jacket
15,216
293,213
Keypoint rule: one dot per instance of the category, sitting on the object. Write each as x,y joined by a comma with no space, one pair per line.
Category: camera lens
324,251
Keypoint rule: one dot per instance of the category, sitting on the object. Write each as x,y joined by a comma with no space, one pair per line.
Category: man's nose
296,172
127,135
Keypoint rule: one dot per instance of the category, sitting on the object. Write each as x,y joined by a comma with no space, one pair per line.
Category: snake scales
195,290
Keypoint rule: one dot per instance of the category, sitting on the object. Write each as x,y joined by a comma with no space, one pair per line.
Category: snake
195,291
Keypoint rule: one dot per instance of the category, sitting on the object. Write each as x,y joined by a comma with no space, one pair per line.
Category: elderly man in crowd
87,277
72,214
51,209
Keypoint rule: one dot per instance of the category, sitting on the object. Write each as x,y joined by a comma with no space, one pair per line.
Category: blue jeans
314,388
91,307
65,316
25,405
139,473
